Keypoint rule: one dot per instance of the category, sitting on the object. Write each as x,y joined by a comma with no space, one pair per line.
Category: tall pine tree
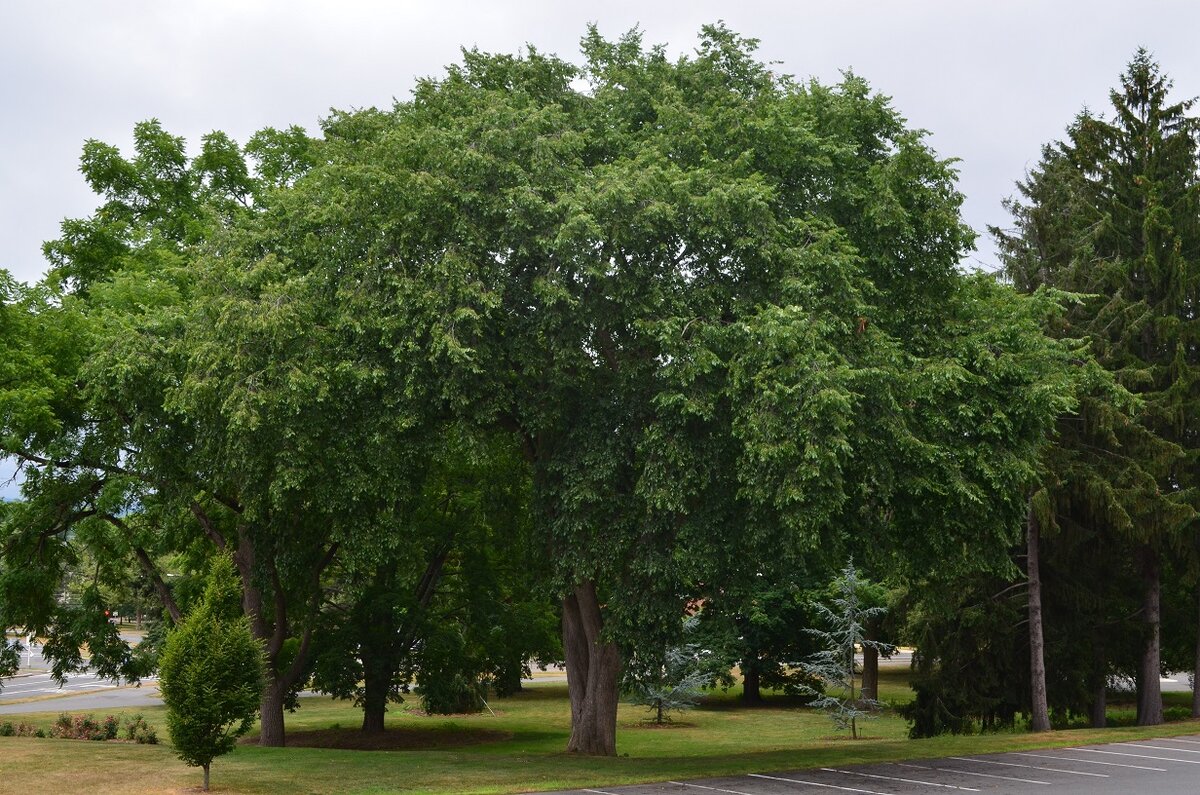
1111,213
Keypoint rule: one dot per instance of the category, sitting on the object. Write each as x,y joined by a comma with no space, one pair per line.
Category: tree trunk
751,681
593,666
1039,713
1099,682
1196,675
376,684
206,764
1149,706
271,715
870,673
853,698
1099,710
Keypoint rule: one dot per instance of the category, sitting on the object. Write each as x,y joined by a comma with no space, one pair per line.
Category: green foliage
20,729
1110,213
634,325
834,666
673,680
211,673
971,660
139,731
446,679
758,624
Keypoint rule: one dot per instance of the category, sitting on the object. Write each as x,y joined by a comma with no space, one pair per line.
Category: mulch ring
396,738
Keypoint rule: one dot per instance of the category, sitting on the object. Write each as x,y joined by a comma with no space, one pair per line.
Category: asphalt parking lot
1164,767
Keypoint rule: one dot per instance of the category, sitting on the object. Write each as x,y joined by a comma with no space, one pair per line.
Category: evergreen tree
211,673
835,665
1111,213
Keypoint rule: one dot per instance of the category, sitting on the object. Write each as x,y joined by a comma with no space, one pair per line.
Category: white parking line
710,789
600,792
1160,748
1138,756
1180,740
1030,767
893,778
816,784
1090,761
973,773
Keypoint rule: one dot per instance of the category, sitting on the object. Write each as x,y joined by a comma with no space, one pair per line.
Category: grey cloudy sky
991,81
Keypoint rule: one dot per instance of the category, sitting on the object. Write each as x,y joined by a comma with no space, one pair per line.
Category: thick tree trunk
870,673
376,685
1196,675
751,682
1039,713
271,715
1099,711
1149,706
206,766
593,667
1099,683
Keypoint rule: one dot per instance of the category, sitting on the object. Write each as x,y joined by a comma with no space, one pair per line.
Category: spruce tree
1111,213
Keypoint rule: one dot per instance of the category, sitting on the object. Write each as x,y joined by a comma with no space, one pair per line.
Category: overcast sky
991,81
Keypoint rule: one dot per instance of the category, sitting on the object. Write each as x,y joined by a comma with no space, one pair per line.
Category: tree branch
206,523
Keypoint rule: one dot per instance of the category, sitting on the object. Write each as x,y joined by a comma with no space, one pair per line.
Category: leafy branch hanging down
835,665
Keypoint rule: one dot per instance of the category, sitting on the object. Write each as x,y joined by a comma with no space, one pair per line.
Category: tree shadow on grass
396,738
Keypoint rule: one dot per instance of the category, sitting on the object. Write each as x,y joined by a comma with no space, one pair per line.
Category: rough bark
1196,676
1149,706
1099,710
1039,713
870,673
271,733
751,682
377,679
593,667
206,766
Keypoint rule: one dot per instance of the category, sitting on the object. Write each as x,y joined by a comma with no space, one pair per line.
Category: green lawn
520,749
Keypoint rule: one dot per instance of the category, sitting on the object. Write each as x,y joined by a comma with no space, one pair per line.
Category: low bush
85,727
24,729
139,731
77,727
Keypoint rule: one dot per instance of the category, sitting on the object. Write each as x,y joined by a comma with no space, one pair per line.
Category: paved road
86,691
1164,767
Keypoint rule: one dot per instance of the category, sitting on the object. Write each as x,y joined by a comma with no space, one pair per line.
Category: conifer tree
834,666
1111,213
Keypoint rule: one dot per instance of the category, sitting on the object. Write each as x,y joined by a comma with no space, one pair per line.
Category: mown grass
523,750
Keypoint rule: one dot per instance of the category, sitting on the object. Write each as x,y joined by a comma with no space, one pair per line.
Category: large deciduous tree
706,299
125,448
